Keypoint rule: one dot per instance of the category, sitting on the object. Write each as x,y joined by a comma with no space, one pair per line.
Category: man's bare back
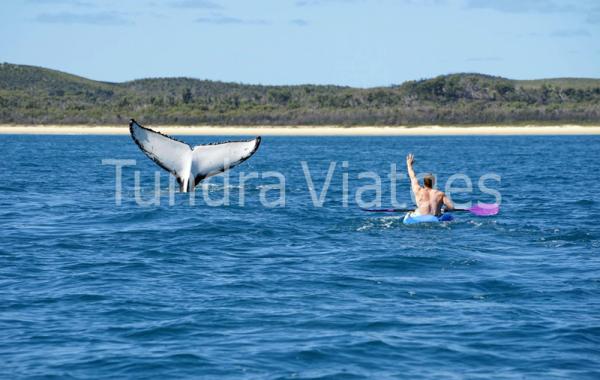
429,200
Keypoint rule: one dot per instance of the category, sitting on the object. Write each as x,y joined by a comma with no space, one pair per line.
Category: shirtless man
429,200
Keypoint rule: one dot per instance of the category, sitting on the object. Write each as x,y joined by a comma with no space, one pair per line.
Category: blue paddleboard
410,219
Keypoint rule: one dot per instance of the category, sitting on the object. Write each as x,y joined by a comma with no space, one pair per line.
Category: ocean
272,285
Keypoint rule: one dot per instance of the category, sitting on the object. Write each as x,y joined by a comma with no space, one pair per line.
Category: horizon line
302,84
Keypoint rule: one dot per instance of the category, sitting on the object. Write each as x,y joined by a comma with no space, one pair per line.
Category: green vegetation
34,95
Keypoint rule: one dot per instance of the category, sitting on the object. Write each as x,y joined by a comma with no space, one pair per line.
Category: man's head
429,181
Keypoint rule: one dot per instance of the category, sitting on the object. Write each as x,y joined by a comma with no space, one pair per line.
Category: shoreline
431,130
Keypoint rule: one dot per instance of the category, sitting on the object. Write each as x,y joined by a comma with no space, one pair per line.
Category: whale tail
191,165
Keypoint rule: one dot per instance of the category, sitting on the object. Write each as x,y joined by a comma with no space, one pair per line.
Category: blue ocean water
92,289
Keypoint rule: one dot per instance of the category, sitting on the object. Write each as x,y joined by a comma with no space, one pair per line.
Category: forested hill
34,95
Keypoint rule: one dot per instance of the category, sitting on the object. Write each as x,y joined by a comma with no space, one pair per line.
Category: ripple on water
92,289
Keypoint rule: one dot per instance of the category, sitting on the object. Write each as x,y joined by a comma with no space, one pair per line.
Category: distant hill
35,95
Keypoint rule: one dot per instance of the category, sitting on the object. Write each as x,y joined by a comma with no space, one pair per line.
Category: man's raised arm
414,182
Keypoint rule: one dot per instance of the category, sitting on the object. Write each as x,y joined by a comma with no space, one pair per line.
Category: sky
361,43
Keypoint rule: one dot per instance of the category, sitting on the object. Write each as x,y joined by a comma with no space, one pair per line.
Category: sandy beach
306,130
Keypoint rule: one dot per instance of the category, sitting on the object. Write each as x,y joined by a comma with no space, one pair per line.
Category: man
429,201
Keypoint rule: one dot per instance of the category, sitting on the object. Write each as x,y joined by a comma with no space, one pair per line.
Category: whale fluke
191,165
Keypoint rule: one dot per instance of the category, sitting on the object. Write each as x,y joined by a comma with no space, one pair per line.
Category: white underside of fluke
191,165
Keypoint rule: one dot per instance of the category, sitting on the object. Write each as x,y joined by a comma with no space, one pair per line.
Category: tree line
35,95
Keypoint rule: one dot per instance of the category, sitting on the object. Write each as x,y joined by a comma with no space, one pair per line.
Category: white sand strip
306,131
